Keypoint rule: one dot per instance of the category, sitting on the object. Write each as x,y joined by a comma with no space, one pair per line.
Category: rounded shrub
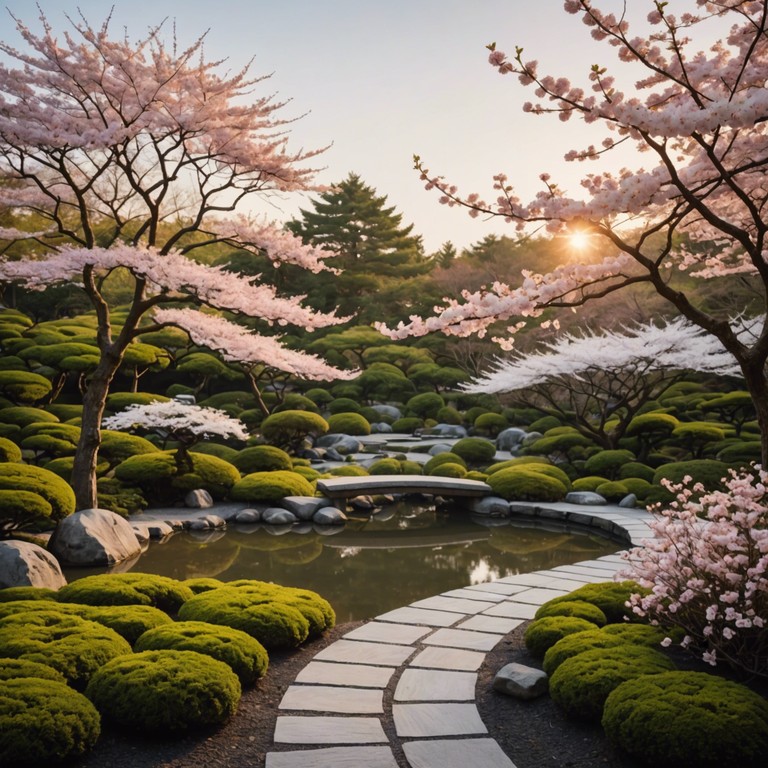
589,483
407,424
127,589
13,668
608,463
129,621
641,634
262,458
544,424
525,484
708,472
349,424
490,423
72,645
449,469
275,625
425,406
343,405
245,655
294,401
449,415
27,593
44,722
271,486
613,490
388,466
289,428
609,596
516,462
578,608
447,457
348,470
475,450
543,633
576,643
688,718
165,692
319,396
636,469
224,452
637,485
24,386
9,451
119,401
582,683
118,446
48,486
741,453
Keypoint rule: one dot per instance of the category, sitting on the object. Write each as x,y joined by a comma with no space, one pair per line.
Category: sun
579,241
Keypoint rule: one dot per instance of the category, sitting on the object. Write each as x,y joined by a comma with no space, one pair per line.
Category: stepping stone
357,652
566,584
328,698
360,675
512,610
436,685
455,605
527,579
410,615
291,729
333,757
463,638
498,587
449,658
384,632
539,595
423,720
474,594
490,624
454,753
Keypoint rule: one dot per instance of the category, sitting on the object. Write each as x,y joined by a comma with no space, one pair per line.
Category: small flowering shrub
708,576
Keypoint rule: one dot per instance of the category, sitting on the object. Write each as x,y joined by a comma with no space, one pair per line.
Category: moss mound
609,596
578,608
447,457
127,589
26,593
72,645
543,633
245,655
525,483
165,692
13,668
43,722
574,644
688,718
582,683
262,458
349,424
271,486
475,450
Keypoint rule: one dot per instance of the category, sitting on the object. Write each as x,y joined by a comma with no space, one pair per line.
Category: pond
375,563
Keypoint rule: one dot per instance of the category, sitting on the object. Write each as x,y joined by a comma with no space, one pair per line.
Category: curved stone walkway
428,655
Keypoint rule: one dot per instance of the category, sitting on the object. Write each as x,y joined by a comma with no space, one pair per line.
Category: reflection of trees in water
362,571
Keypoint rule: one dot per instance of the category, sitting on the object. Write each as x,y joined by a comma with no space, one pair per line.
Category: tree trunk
757,386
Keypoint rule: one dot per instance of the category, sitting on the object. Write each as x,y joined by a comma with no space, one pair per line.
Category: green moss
608,463
516,462
13,668
448,469
127,589
636,469
271,486
543,633
388,466
576,643
641,634
447,457
349,470
262,458
525,484
245,655
425,405
44,722
474,450
578,608
589,483
165,692
349,424
613,490
9,451
50,488
609,596
688,718
26,593
202,584
72,645
582,683
407,424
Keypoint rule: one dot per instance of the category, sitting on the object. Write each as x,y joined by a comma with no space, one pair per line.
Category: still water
374,564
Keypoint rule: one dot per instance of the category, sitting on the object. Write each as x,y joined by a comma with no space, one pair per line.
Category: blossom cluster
707,569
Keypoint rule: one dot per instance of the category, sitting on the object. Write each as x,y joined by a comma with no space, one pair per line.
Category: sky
382,81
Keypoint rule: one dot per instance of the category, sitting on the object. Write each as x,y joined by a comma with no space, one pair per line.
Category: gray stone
331,454
278,516
304,507
248,516
531,438
585,497
207,523
342,444
142,534
510,438
329,516
521,682
198,499
94,537
389,411
492,506
439,448
380,428
362,502
159,530
23,564
629,501
447,430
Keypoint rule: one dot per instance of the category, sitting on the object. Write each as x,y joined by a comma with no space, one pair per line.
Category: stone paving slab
526,579
474,594
567,584
539,595
385,632
449,658
424,720
455,605
484,623
333,673
330,698
591,578
455,753
596,573
435,685
297,729
464,638
422,616
358,652
333,757
512,610
498,587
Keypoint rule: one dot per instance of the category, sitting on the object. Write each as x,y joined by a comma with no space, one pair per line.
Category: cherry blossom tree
599,381
187,424
699,118
135,156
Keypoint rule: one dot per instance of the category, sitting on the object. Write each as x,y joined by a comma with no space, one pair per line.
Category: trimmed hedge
446,457
572,645
349,424
578,608
271,486
262,458
526,484
165,692
475,450
543,633
10,669
608,596
43,722
688,718
46,485
245,655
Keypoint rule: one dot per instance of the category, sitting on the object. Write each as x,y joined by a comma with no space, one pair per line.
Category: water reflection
377,563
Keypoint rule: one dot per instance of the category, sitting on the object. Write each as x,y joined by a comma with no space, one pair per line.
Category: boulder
447,430
521,682
23,564
247,516
439,448
94,537
380,428
585,497
510,438
491,506
304,507
329,516
198,499
342,444
388,411
629,501
278,516
207,523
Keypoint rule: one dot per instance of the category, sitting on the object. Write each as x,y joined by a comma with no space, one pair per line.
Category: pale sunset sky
382,81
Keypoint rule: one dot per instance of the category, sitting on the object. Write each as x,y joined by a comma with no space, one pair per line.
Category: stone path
428,655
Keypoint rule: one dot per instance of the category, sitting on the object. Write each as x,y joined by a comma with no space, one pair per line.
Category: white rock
329,516
23,564
198,499
521,681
